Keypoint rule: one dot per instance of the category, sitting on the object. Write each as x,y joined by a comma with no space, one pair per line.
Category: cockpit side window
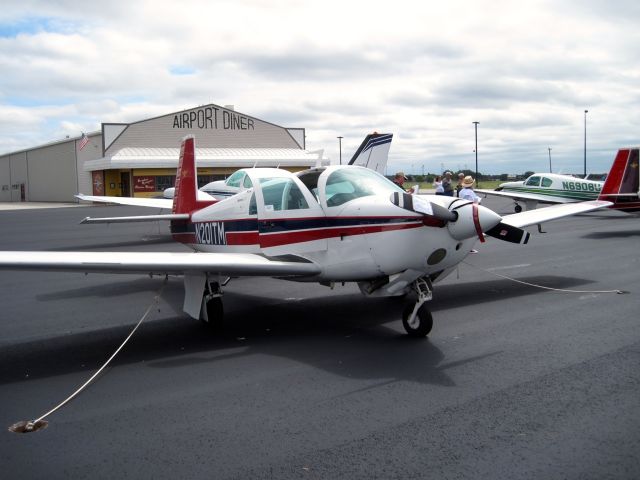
282,194
533,182
253,206
310,180
235,179
348,184
247,183
546,182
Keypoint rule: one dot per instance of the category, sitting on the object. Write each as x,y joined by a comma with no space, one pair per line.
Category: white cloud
423,71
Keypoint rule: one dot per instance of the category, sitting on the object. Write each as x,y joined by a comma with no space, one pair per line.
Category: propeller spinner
463,220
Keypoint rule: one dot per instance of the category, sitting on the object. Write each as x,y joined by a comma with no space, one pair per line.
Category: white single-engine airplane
331,224
621,186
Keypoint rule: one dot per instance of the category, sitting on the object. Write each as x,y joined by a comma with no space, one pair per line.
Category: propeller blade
509,233
414,203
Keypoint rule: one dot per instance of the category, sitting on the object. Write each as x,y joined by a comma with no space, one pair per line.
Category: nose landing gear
416,318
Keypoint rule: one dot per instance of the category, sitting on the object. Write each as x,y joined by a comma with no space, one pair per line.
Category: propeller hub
473,219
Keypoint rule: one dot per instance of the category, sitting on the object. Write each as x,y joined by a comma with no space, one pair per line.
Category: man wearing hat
399,179
467,190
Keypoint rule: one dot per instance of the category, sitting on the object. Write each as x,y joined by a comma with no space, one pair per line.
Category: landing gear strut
417,319
212,312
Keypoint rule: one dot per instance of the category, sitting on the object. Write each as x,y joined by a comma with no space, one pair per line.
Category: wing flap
232,264
540,215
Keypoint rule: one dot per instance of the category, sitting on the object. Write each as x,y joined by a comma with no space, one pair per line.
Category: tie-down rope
27,426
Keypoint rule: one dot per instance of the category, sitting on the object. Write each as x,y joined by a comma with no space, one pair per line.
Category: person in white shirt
438,184
467,190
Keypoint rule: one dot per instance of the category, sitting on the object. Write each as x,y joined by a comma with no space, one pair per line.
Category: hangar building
140,159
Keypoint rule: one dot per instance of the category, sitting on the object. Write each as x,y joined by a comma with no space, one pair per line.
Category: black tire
215,314
423,322
518,208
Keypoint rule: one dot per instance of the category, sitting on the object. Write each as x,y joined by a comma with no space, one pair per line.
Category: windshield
348,184
235,179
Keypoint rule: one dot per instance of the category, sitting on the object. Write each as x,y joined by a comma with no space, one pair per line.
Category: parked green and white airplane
547,188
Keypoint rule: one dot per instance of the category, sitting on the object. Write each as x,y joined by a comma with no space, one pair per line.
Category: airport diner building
139,159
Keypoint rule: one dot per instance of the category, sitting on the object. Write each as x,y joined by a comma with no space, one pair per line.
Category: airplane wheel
422,323
215,313
518,208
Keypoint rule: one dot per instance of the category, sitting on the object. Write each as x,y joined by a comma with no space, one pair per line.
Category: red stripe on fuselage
300,236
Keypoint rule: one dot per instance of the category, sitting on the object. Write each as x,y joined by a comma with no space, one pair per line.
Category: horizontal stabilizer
138,218
133,201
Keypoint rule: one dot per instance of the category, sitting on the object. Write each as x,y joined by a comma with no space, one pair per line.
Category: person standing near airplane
438,184
467,192
459,185
447,184
399,179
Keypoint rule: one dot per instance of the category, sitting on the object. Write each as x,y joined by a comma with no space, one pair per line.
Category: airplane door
290,219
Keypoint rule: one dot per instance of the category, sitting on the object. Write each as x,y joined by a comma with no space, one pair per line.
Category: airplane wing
524,196
540,215
166,203
161,263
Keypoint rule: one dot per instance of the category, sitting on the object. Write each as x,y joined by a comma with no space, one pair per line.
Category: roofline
53,142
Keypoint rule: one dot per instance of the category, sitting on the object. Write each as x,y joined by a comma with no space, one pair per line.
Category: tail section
373,152
621,186
185,199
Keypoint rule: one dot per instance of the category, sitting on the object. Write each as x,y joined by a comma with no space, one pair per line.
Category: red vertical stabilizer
185,196
621,186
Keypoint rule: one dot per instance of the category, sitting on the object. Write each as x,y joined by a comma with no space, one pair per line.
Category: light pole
585,142
549,148
476,150
340,146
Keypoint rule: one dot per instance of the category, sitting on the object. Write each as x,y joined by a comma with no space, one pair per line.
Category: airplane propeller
464,219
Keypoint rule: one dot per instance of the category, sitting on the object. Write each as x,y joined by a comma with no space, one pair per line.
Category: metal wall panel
52,173
5,179
91,151
19,176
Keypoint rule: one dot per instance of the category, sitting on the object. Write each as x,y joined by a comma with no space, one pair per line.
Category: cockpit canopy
276,190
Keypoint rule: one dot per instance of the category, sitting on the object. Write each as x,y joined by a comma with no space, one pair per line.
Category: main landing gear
417,319
517,208
212,312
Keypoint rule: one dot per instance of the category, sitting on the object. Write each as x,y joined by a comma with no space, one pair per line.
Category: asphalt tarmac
514,382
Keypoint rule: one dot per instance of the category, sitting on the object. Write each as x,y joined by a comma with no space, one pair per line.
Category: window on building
165,181
204,179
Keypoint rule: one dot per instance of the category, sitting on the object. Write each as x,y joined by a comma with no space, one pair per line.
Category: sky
422,70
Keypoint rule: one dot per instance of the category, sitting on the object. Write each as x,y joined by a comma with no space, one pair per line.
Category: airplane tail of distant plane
621,186
373,152
185,199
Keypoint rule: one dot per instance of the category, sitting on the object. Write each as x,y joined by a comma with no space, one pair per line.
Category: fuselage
340,218
555,187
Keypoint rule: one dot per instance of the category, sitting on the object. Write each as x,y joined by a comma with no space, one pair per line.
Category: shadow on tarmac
316,331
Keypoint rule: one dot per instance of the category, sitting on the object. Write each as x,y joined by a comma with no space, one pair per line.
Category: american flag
83,141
